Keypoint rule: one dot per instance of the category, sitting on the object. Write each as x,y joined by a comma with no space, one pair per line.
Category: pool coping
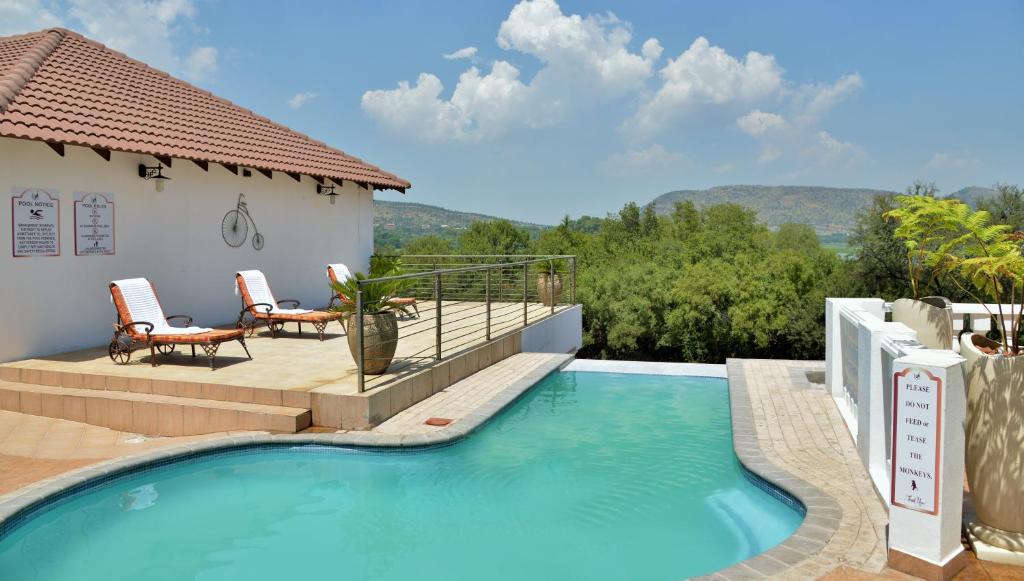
823,511
649,368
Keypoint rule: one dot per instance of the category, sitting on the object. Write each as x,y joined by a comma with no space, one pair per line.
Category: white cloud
299,99
758,122
705,74
201,63
463,53
582,58
21,16
645,161
724,168
148,30
814,101
591,48
953,161
480,107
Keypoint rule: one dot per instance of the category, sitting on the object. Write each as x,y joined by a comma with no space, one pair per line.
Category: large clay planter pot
995,442
380,339
544,289
933,323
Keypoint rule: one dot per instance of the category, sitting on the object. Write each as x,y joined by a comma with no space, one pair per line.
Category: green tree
430,244
1007,207
494,237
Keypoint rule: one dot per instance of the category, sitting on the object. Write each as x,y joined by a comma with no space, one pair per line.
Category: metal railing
461,301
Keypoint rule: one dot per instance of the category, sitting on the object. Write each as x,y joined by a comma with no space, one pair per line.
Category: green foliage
494,237
924,222
698,285
964,246
1006,207
431,244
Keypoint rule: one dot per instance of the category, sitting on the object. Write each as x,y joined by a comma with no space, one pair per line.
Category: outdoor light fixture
153,173
327,191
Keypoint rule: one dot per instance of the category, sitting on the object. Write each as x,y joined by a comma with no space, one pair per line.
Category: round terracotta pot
544,289
380,339
995,441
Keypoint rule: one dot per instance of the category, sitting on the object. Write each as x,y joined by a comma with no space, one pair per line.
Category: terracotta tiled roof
60,87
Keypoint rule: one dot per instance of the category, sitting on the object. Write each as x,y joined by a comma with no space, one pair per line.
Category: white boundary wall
562,333
172,238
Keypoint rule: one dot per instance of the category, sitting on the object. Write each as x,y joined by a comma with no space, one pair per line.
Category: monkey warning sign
916,401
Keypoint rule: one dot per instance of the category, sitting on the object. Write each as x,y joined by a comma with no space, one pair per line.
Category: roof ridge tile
15,79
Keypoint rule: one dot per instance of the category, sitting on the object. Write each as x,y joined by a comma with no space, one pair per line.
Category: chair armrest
293,301
149,327
188,319
252,307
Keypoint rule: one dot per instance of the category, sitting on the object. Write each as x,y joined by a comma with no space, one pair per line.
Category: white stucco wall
173,238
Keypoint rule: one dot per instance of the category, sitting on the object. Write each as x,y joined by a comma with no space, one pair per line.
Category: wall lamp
153,173
327,191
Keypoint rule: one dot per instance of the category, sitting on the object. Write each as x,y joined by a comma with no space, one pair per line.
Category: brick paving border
791,435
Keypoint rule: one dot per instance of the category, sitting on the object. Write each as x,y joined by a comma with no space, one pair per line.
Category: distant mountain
827,210
973,194
396,222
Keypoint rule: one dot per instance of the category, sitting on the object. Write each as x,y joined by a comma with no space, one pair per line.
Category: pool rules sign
916,419
35,222
94,224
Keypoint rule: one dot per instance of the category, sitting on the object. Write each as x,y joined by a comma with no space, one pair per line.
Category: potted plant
380,322
549,281
923,225
985,261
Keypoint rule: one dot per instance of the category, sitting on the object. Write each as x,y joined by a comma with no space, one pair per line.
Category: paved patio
300,363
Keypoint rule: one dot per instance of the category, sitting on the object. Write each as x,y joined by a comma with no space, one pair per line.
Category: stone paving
35,448
798,440
469,395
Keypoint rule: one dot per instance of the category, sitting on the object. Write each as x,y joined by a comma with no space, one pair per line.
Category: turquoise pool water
589,476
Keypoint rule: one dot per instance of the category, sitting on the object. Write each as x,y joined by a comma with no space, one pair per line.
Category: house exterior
77,120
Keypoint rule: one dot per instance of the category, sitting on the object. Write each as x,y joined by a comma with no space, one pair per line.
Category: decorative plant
924,225
377,297
983,259
559,267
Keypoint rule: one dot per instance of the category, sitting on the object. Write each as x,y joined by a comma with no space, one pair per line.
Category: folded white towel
341,272
143,306
259,291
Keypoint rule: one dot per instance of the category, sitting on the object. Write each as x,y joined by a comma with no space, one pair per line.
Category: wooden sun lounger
268,311
128,331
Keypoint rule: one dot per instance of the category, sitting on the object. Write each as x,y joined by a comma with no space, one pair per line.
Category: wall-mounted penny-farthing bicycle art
235,226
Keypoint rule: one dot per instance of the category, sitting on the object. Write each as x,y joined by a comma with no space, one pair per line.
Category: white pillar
870,390
929,406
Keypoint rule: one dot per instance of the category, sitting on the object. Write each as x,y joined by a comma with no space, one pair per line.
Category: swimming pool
587,476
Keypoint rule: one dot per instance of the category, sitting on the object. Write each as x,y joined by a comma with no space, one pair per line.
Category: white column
929,405
870,402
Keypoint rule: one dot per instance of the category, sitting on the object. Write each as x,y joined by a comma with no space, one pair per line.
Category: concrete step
148,413
25,372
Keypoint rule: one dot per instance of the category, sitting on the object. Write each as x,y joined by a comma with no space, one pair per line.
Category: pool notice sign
917,397
35,222
94,224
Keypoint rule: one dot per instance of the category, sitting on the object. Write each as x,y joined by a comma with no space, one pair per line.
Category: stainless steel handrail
435,275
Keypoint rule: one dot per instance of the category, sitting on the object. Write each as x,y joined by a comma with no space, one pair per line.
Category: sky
539,109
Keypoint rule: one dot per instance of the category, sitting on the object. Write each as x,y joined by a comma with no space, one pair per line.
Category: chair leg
152,353
417,309
300,328
193,351
320,329
211,351
242,341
